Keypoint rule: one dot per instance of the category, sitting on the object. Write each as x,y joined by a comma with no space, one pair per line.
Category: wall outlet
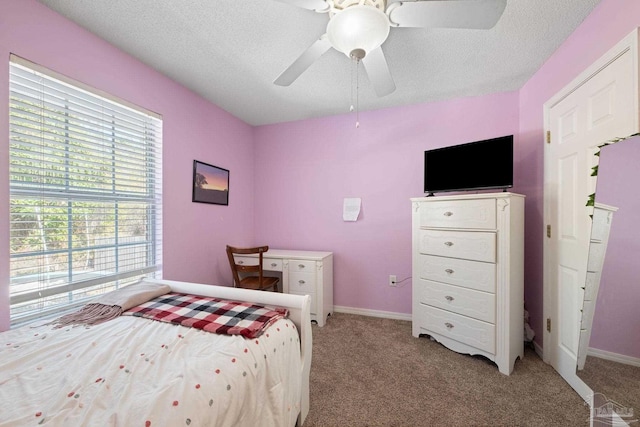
392,280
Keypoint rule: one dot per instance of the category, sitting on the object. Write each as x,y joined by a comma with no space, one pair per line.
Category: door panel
568,283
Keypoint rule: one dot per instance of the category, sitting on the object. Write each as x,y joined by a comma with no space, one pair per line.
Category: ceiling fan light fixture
358,28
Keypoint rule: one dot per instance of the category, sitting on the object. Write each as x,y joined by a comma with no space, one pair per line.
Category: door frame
628,44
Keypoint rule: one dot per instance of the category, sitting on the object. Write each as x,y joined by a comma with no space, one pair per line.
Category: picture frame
210,184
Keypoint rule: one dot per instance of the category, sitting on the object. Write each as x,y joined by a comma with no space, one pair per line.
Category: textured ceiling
230,51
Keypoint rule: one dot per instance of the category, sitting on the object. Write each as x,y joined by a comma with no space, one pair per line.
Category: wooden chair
240,277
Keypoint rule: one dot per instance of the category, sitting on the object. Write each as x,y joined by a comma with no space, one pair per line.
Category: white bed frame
299,312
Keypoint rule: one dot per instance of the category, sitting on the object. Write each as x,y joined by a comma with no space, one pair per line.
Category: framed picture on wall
210,184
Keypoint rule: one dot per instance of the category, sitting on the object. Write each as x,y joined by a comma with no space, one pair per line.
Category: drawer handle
448,325
448,243
449,298
449,271
300,265
240,262
273,264
302,282
448,213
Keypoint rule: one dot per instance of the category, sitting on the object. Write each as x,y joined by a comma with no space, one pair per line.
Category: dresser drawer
313,300
246,260
461,272
302,265
596,256
271,264
459,214
586,319
301,282
463,329
472,245
590,292
476,304
601,224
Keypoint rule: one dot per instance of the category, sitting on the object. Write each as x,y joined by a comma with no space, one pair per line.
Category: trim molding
372,313
614,357
539,350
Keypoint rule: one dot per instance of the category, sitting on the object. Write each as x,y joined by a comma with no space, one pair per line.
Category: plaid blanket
209,314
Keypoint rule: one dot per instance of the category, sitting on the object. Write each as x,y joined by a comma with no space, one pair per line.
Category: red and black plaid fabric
209,314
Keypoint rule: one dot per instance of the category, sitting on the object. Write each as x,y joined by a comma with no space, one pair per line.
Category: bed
132,371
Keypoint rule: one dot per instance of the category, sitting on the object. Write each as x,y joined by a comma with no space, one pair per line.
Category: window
85,193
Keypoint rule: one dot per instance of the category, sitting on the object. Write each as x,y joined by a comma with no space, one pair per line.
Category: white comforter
137,372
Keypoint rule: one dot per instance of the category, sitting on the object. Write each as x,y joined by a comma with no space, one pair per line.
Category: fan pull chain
357,94
355,61
352,77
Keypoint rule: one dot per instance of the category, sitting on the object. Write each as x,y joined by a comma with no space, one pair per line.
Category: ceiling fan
358,28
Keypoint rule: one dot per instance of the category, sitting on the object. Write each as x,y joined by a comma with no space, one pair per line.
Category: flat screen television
478,165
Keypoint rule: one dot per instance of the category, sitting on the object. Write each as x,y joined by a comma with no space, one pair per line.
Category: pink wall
305,169
617,319
194,234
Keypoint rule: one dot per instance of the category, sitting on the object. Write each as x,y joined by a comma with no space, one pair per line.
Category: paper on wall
351,208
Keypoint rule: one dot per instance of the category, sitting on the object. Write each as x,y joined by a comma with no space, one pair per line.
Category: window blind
85,194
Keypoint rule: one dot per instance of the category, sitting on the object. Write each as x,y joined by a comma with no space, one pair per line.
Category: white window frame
133,189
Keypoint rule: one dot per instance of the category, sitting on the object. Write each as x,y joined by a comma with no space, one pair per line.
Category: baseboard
539,350
614,357
372,313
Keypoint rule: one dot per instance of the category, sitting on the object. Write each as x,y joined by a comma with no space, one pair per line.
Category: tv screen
476,165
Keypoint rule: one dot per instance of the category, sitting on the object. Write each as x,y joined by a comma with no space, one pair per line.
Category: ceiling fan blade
474,14
304,61
317,5
378,71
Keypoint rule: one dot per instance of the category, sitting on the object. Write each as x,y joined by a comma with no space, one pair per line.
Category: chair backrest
241,268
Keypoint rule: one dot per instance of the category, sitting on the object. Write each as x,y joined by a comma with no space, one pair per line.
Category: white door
600,105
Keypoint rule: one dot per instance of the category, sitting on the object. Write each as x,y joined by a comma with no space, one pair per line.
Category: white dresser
600,228
468,273
301,272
